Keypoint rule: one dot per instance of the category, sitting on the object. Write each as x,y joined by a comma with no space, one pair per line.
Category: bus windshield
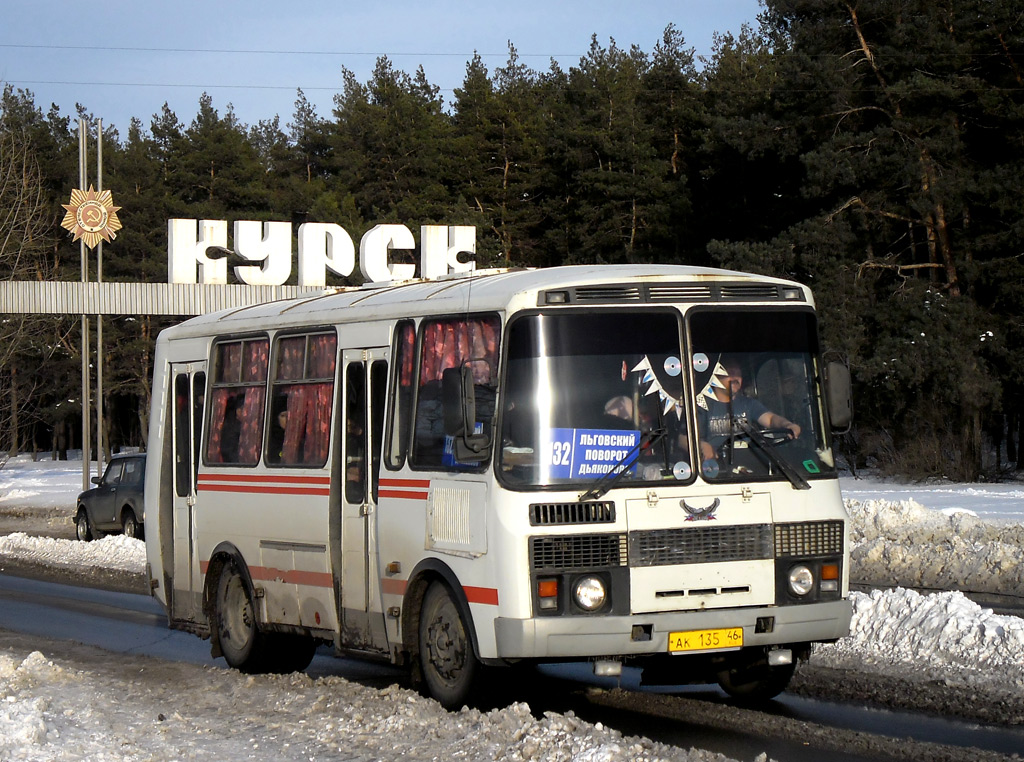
586,393
591,394
757,393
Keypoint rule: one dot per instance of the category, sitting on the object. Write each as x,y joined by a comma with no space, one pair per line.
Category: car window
113,475
133,472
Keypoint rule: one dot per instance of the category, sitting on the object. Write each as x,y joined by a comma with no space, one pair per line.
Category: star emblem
91,216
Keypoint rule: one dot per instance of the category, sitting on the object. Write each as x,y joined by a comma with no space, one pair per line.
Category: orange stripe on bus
423,483
288,576
264,489
263,478
291,576
488,595
402,494
393,586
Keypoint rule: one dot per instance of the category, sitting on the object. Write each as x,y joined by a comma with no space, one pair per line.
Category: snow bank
944,636
112,552
904,543
181,711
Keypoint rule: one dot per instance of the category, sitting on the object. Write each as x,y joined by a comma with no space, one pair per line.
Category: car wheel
131,525
83,528
241,641
446,652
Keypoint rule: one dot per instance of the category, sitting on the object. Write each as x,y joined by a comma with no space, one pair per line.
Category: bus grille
704,545
810,538
578,551
609,294
749,291
553,514
662,292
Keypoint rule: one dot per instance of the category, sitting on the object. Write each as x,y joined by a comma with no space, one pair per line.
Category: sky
91,704
125,58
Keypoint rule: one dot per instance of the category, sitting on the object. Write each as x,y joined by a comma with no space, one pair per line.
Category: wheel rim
446,642
130,526
237,624
82,527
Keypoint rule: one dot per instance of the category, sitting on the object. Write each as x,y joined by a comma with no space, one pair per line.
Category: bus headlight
801,580
589,593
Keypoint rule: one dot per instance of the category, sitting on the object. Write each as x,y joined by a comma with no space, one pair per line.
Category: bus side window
237,401
401,394
355,433
301,399
182,466
378,401
452,343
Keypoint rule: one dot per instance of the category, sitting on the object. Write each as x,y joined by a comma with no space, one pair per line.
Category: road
792,729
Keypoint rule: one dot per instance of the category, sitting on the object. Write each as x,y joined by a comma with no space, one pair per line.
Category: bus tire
756,683
446,655
241,642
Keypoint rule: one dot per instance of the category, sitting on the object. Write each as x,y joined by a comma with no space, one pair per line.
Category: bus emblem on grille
700,514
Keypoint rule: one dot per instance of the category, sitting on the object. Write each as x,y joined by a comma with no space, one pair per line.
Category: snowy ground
956,538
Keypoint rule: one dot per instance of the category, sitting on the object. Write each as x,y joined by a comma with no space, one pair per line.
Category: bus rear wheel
446,651
241,641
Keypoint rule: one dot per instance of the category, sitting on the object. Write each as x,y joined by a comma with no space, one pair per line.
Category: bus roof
496,290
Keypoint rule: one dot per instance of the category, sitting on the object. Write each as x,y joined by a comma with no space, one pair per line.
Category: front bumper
585,636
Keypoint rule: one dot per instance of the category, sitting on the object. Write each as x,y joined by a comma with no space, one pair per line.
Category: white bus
622,465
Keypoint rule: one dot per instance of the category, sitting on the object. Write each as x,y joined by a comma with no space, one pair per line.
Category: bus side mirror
839,396
458,398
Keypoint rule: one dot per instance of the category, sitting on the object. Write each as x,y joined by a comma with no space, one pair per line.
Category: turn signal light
547,592
829,578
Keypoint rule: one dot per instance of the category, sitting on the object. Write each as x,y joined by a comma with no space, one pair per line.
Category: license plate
705,640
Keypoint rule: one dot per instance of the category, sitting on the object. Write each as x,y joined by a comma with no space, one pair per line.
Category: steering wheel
776,437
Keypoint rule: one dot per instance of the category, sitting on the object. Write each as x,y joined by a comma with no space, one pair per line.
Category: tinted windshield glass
585,391
757,388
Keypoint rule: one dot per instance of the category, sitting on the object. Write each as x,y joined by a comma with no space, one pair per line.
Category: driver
730,401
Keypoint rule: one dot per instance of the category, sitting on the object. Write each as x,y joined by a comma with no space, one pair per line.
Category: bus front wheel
446,651
756,683
240,639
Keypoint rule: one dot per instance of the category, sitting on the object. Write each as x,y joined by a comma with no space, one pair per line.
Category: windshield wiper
611,477
794,476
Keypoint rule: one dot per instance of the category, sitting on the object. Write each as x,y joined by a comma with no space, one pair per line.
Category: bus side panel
158,480
282,538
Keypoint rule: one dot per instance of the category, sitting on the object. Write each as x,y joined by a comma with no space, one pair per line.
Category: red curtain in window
295,431
218,408
406,352
257,357
252,425
323,352
291,358
229,363
307,437
452,343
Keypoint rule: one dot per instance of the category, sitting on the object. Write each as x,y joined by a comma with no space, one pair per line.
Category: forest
871,149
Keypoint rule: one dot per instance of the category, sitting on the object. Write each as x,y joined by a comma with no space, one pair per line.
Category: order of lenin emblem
91,216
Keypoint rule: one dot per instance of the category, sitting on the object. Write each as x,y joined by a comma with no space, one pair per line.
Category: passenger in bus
275,451
730,400
231,432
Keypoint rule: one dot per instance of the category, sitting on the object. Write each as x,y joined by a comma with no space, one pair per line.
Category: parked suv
115,504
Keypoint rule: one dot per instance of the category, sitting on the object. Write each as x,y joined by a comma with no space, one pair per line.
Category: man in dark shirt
729,402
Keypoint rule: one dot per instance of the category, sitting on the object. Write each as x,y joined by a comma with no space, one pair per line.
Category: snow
936,536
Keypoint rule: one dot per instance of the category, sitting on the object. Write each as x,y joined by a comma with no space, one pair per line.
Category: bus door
364,387
189,384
